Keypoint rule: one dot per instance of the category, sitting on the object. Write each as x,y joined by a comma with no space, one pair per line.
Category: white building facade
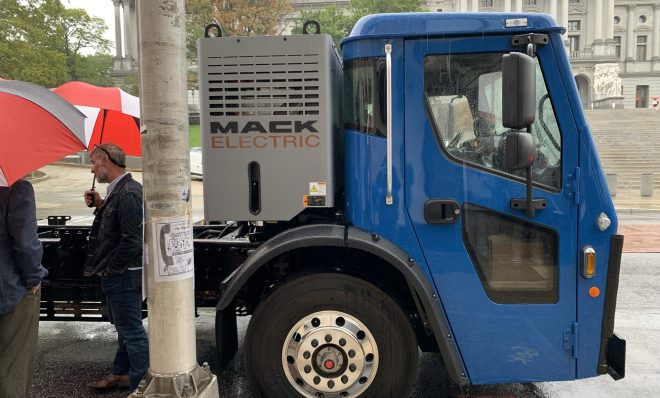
601,34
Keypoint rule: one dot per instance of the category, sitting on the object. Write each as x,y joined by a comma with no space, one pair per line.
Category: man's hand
92,198
35,289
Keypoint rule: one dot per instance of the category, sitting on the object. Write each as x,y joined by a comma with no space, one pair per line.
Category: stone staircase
628,142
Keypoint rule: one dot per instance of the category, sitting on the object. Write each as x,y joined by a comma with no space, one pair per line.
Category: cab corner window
515,260
364,96
464,103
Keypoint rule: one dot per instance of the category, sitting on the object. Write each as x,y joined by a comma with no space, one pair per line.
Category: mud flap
616,357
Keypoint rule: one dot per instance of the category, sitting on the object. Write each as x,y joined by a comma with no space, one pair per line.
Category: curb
35,180
635,210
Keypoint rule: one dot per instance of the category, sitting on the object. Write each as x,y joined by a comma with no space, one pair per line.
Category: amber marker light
588,262
594,291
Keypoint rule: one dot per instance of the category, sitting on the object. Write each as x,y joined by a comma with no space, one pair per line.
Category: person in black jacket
21,273
115,254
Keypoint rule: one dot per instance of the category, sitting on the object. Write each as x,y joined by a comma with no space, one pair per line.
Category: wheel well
358,263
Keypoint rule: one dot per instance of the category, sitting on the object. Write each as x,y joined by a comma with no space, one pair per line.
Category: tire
330,335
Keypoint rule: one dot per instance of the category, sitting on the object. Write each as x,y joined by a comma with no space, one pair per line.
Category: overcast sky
98,8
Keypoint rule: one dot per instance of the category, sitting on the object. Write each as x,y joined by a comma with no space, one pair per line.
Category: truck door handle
441,211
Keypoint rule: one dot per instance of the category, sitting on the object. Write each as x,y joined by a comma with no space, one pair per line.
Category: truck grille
263,85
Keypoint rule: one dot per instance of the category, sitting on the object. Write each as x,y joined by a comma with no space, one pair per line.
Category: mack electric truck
434,188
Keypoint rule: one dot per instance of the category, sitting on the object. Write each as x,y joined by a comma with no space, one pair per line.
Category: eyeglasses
123,166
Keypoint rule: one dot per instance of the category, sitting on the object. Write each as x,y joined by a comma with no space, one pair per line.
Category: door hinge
572,188
571,339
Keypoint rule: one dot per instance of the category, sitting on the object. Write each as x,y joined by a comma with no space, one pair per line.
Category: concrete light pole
168,252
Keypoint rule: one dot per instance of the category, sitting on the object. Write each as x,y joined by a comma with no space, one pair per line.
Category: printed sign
317,188
174,249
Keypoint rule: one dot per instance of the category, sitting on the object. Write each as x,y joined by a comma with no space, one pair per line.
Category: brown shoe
110,381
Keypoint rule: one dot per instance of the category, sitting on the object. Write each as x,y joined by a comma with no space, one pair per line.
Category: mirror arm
529,204
530,207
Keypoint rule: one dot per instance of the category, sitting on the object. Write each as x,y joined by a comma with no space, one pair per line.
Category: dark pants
19,331
124,296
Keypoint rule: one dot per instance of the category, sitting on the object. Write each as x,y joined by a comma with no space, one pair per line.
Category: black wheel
330,335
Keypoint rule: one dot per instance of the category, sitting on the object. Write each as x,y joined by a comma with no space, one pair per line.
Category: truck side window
464,104
364,96
515,260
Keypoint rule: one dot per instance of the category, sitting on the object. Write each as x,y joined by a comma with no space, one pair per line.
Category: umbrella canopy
37,127
113,115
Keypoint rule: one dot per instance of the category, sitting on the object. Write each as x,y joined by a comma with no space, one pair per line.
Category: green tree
338,23
78,31
95,69
251,17
360,8
41,41
131,84
199,13
25,51
332,21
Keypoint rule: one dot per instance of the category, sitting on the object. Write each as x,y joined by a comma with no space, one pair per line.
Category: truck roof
429,24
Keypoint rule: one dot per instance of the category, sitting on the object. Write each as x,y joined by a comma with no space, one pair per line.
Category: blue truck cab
513,288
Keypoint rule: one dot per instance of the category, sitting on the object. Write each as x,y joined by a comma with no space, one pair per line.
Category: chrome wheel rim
330,354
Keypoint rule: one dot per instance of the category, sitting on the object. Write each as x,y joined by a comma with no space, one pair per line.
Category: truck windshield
464,102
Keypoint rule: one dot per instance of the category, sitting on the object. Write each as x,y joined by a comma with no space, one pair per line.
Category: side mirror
518,91
521,150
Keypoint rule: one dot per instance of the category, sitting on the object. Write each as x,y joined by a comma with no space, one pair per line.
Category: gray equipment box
269,117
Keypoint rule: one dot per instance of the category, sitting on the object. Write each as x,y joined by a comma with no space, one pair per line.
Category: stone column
507,6
630,34
462,5
128,45
656,32
134,30
598,22
562,20
609,20
118,52
517,6
564,14
475,6
553,9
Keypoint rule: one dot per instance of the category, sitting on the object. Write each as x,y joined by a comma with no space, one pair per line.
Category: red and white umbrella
113,115
37,127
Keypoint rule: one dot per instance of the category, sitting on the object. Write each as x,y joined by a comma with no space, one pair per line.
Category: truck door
507,281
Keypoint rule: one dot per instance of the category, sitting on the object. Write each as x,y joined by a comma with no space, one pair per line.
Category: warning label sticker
313,201
317,188
174,253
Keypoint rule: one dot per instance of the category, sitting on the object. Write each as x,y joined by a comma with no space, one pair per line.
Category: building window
573,26
529,2
574,1
574,45
641,96
641,48
642,19
486,3
617,20
617,46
